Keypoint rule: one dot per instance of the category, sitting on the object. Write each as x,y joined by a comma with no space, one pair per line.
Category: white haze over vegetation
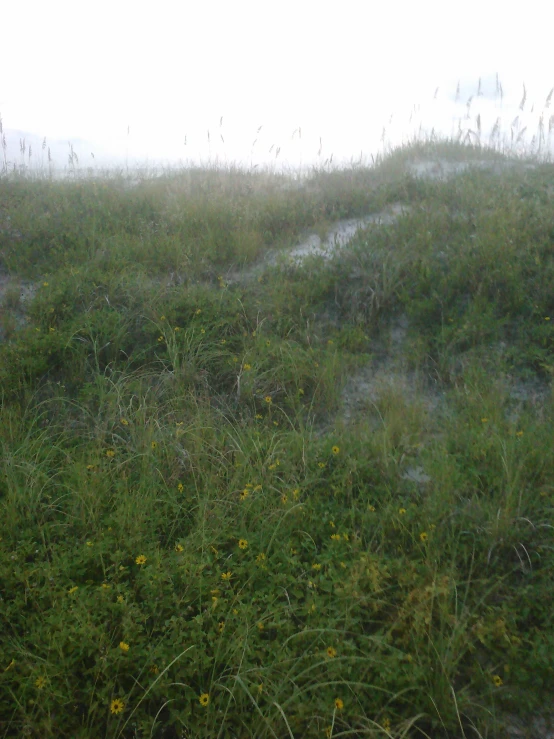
253,83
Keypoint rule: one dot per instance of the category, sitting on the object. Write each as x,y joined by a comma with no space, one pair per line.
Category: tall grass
196,539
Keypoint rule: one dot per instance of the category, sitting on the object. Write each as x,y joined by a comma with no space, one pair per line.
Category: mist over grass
196,540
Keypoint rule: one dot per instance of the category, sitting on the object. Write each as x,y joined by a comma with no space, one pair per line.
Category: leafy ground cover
195,541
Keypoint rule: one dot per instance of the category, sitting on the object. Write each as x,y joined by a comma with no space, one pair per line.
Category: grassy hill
245,495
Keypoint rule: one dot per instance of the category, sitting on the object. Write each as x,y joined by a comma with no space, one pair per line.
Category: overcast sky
140,79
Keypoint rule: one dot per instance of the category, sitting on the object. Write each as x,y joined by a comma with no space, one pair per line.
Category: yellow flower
296,493
202,330
120,599
226,575
204,699
176,329
162,318
160,339
117,706
519,433
268,399
423,536
123,646
105,586
386,724
110,453
246,367
141,559
198,311
243,544
339,704
245,493
124,421
73,590
260,557
335,450
40,682
401,511
335,537
221,626
331,652
316,566
497,680
284,499
180,487
371,508
179,548
260,626
45,284
154,669
89,543
321,465
484,420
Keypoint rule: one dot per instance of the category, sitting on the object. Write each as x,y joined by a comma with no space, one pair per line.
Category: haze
145,83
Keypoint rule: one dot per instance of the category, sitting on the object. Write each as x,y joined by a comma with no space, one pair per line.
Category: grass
195,540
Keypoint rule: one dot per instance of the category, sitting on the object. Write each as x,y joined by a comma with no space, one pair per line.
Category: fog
250,83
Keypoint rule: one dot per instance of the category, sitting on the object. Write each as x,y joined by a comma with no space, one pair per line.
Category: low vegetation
195,541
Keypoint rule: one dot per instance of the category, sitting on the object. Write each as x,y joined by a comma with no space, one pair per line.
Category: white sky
336,70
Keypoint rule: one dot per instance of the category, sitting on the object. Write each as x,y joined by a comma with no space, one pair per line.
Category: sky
146,82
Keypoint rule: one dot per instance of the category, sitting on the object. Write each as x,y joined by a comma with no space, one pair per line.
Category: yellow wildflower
117,706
